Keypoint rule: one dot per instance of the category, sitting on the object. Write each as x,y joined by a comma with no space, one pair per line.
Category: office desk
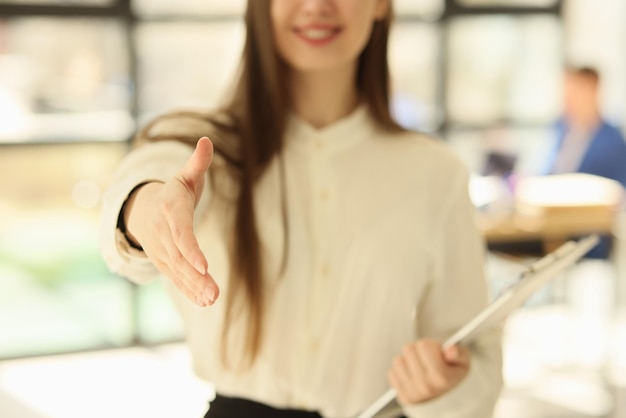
552,230
552,209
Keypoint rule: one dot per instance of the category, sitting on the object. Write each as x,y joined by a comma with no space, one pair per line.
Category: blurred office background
76,79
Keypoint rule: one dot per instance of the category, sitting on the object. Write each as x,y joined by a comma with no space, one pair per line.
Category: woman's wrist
133,204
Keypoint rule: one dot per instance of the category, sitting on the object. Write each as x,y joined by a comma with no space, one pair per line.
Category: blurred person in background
344,246
585,141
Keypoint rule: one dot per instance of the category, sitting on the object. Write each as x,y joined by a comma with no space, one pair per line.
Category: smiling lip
317,35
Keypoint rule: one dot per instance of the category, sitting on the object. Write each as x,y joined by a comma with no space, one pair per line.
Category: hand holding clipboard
529,281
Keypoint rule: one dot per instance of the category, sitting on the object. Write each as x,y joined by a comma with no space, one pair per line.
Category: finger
183,235
203,285
421,381
173,257
414,366
401,391
180,285
457,355
199,162
429,353
400,379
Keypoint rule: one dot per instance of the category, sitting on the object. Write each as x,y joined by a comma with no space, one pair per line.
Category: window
509,3
504,68
64,79
56,295
60,2
413,56
187,8
185,64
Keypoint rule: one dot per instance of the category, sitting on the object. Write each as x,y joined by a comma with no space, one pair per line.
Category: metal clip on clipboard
529,281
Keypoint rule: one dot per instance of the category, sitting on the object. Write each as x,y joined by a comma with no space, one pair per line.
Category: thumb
457,355
199,162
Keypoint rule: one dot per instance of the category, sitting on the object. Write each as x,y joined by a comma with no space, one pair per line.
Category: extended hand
423,372
159,217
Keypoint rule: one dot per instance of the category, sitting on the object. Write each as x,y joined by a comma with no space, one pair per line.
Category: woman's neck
323,97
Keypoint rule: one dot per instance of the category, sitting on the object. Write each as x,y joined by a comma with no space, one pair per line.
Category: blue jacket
606,157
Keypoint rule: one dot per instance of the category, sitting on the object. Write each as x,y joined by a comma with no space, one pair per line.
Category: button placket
315,156
323,201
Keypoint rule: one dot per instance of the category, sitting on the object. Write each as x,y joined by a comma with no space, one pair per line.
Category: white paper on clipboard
529,281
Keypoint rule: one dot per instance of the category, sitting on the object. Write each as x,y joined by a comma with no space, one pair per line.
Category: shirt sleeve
158,161
457,294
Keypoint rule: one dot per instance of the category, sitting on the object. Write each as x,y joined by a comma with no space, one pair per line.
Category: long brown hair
255,118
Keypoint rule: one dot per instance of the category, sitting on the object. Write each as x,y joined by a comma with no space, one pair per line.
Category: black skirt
225,407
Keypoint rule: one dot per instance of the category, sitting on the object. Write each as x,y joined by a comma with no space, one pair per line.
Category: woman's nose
317,7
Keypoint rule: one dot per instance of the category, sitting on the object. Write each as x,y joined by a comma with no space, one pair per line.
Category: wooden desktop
553,209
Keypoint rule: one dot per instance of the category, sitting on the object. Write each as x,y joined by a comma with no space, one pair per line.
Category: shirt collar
334,137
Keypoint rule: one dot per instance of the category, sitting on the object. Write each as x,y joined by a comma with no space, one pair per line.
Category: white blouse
383,250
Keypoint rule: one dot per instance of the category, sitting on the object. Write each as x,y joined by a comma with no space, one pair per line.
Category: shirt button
324,195
314,345
325,270
319,145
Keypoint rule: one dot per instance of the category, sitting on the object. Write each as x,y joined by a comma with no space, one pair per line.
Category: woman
343,247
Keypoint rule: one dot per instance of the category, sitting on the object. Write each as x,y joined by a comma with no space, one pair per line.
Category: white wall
595,34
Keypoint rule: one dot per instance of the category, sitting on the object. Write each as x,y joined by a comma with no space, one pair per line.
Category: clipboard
528,282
